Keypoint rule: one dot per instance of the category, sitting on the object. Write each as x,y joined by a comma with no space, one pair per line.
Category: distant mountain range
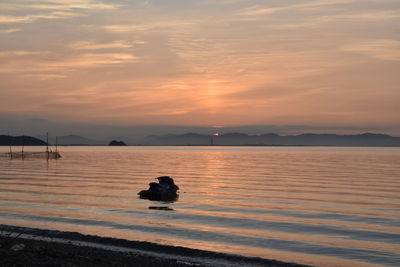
271,139
71,139
228,139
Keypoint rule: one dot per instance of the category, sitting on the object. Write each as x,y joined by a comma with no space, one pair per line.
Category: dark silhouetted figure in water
164,190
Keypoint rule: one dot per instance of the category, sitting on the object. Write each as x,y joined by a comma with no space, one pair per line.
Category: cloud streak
32,18
6,31
260,10
57,5
150,26
384,49
51,9
34,64
92,45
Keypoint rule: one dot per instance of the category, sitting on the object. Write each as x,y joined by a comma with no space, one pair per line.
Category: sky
332,64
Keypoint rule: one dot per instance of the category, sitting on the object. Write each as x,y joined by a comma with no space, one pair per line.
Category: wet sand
21,246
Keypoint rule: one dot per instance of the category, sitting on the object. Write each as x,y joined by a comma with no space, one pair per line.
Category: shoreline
24,246
215,145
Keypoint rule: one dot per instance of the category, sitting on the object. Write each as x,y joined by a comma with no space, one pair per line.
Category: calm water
319,206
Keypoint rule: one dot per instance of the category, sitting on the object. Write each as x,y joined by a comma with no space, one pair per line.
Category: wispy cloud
50,9
92,45
57,5
385,49
365,16
261,10
45,76
316,21
149,26
93,60
32,18
5,31
314,13
52,66
21,53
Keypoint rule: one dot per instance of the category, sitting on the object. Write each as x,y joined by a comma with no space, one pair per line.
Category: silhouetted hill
6,140
271,139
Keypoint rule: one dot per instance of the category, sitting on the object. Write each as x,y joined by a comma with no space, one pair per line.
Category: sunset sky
202,62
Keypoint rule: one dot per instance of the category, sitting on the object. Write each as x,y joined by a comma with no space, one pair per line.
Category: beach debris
7,240
164,190
18,247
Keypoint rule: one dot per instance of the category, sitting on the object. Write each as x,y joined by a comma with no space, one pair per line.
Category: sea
322,206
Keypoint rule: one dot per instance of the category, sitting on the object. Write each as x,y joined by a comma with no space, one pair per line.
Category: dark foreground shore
21,246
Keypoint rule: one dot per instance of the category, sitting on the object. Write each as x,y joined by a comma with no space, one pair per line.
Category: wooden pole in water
47,145
22,155
10,145
47,142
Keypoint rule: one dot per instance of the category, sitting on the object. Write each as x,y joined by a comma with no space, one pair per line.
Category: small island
117,143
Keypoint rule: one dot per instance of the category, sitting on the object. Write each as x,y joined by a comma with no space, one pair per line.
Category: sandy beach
21,246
